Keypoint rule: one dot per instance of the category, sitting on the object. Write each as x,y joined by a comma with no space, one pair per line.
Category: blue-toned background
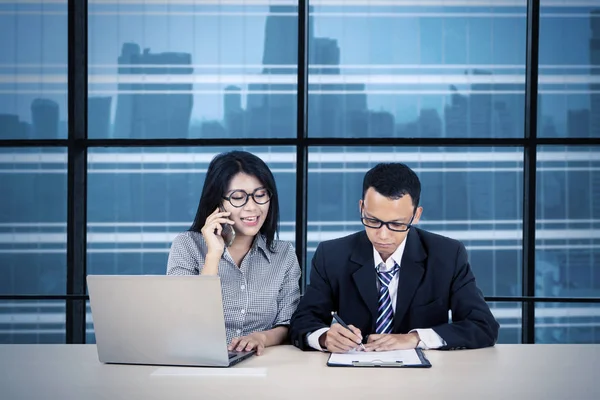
385,68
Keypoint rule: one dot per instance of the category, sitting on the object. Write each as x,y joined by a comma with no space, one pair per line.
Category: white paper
202,371
408,357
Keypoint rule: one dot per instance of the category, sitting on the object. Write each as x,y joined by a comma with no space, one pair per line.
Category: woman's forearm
276,336
211,265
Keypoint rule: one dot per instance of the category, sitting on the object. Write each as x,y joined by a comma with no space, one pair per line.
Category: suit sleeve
314,310
473,324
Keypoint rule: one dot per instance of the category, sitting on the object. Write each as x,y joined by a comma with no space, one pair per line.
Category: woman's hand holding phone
211,231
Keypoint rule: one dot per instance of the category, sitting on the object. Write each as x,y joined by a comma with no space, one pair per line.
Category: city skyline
482,35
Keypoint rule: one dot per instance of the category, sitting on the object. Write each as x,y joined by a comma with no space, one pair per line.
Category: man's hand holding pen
341,340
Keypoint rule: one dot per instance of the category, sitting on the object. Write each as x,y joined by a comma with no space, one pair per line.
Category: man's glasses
239,198
392,226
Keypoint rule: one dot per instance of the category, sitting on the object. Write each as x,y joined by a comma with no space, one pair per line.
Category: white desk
503,372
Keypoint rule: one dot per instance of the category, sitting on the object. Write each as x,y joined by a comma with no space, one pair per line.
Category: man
393,284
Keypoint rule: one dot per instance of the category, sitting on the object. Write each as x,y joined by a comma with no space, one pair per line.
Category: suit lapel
365,277
411,273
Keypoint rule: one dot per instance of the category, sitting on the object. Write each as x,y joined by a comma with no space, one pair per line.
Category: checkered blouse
259,295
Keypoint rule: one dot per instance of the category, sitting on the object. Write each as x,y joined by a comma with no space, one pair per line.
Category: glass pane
384,69
471,195
33,215
508,316
33,69
27,322
90,336
569,69
192,69
139,199
567,323
568,222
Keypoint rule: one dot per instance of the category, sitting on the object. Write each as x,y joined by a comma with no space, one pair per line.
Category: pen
342,323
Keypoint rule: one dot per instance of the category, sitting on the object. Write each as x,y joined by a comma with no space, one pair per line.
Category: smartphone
227,232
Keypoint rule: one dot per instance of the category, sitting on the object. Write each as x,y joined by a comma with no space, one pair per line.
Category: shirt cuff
313,338
428,339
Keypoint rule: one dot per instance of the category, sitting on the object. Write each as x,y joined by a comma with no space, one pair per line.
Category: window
33,180
139,199
569,69
26,321
567,242
509,316
567,323
439,85
388,69
471,195
32,241
199,69
33,70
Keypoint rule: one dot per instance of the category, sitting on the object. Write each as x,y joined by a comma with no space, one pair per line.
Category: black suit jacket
435,277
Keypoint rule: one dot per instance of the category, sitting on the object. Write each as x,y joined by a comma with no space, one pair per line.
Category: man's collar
396,255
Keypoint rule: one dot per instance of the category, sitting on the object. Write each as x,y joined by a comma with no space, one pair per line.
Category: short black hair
393,180
221,170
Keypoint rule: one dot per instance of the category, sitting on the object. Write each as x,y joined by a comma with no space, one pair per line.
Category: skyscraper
281,36
480,108
456,114
335,109
272,108
234,114
159,108
44,116
339,109
325,110
99,117
9,126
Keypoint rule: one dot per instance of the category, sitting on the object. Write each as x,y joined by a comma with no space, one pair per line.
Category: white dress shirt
428,338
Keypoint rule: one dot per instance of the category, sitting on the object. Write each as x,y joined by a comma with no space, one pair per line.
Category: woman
259,274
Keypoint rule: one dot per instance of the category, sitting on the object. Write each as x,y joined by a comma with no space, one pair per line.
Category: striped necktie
385,311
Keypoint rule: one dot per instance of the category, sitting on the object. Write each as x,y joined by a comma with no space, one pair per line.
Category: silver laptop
160,320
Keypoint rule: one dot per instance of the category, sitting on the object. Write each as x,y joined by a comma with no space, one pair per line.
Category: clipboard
414,358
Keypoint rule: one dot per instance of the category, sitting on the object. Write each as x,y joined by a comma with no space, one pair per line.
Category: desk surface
502,372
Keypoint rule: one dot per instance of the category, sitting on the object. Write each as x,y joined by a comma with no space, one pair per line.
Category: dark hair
393,180
221,170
